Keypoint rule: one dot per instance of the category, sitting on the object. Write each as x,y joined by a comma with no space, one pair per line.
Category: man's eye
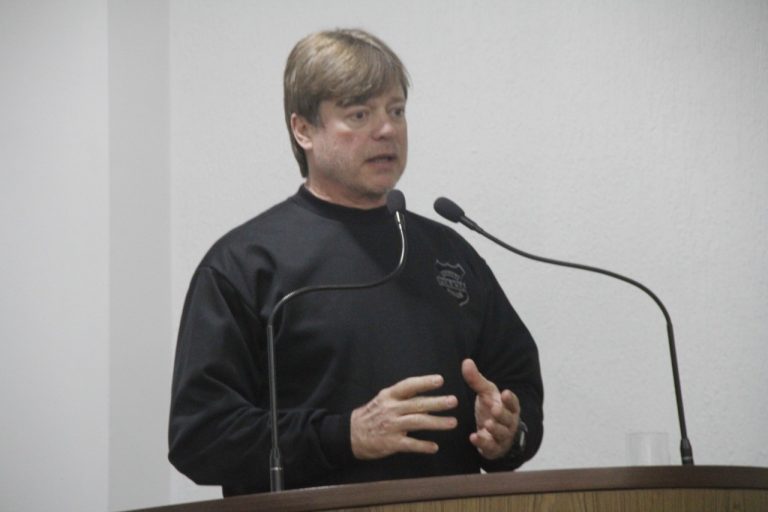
360,115
398,112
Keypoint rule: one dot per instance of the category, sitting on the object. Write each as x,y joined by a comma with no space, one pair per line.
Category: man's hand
380,427
497,414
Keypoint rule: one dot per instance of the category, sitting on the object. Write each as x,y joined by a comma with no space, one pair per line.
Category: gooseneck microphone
453,212
396,206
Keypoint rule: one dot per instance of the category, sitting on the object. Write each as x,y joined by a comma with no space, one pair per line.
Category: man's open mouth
382,158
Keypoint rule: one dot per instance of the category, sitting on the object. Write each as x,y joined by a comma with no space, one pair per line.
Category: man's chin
380,191
373,191
375,197
385,182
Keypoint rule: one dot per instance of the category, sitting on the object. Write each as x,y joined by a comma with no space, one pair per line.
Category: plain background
626,134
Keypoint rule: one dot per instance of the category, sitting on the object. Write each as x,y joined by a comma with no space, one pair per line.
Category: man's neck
345,199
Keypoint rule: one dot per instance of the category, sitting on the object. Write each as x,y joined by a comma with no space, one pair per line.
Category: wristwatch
519,441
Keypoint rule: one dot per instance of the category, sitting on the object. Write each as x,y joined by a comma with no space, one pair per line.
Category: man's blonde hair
346,64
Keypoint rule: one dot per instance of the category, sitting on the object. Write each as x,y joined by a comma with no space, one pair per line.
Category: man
432,373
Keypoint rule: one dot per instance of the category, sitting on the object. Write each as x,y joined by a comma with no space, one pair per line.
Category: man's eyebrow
362,100
352,100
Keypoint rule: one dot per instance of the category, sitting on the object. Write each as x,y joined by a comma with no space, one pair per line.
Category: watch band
519,441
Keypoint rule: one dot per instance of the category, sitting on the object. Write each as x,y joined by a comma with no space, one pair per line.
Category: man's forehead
393,94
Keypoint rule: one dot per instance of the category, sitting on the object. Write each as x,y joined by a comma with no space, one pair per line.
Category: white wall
86,324
140,292
54,281
630,135
626,134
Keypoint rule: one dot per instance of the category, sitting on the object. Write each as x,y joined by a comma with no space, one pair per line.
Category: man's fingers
421,404
416,422
511,402
483,441
475,379
504,416
487,445
408,399
413,445
498,431
507,411
380,427
412,386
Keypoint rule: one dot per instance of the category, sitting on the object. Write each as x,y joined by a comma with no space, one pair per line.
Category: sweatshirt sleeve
219,431
508,356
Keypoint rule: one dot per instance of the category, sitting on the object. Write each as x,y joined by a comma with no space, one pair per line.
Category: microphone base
686,452
276,479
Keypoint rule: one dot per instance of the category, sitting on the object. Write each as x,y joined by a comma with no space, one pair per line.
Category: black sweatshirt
336,350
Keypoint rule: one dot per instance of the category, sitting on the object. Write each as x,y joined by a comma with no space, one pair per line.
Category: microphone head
448,209
395,201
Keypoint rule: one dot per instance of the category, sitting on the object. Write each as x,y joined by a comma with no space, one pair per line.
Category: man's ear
302,131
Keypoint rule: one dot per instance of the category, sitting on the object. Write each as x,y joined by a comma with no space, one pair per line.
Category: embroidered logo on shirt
451,278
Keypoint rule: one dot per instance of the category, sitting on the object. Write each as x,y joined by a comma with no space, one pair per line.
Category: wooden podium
634,489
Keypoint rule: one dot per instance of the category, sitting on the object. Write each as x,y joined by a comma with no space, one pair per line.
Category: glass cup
648,449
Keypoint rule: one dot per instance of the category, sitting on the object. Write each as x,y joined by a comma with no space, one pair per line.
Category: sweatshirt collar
309,201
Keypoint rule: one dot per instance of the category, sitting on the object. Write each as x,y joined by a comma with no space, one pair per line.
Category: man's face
358,151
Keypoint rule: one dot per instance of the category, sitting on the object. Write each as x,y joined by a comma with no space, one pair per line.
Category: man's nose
384,126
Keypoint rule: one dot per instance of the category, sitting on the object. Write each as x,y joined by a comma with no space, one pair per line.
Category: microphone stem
686,451
275,461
